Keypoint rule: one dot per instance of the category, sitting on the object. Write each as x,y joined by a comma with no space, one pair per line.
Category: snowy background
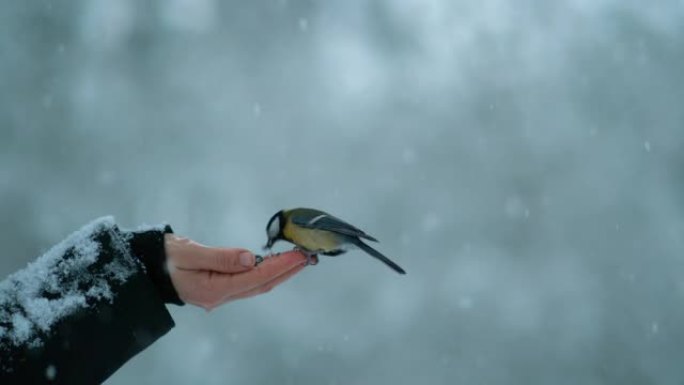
524,162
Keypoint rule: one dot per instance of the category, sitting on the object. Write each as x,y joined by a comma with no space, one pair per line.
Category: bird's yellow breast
311,239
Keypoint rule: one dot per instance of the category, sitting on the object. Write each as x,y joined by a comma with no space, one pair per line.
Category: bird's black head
274,229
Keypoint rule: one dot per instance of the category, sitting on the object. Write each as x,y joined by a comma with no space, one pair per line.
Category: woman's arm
78,312
96,299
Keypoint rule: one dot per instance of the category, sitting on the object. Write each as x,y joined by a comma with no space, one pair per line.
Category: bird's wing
328,222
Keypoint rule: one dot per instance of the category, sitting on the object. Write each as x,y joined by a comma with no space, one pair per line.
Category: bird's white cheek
273,230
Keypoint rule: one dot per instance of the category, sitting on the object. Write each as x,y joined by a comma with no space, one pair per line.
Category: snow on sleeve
128,233
66,278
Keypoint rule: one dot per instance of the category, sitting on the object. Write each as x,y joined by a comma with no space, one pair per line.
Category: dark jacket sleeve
85,307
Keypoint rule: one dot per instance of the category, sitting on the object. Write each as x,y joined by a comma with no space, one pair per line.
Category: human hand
210,276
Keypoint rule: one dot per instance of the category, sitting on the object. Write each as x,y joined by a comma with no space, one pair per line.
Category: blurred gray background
523,161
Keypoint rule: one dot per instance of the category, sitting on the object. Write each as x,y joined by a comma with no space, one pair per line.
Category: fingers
186,254
269,285
258,276
209,288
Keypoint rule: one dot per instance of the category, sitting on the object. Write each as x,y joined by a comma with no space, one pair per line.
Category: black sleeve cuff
148,247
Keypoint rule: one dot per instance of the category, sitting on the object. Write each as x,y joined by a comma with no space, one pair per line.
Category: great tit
317,232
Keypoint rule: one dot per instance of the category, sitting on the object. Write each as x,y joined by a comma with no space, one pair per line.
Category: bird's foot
311,258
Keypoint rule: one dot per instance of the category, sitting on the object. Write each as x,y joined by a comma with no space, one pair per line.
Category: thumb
224,260
189,255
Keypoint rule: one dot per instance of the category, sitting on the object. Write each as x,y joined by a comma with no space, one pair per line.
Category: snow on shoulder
60,282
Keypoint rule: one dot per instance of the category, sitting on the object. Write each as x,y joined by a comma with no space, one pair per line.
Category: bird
317,232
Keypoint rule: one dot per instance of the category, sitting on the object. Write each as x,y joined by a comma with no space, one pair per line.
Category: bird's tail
376,254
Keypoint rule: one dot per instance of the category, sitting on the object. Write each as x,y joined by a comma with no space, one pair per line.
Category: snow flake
303,24
50,372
